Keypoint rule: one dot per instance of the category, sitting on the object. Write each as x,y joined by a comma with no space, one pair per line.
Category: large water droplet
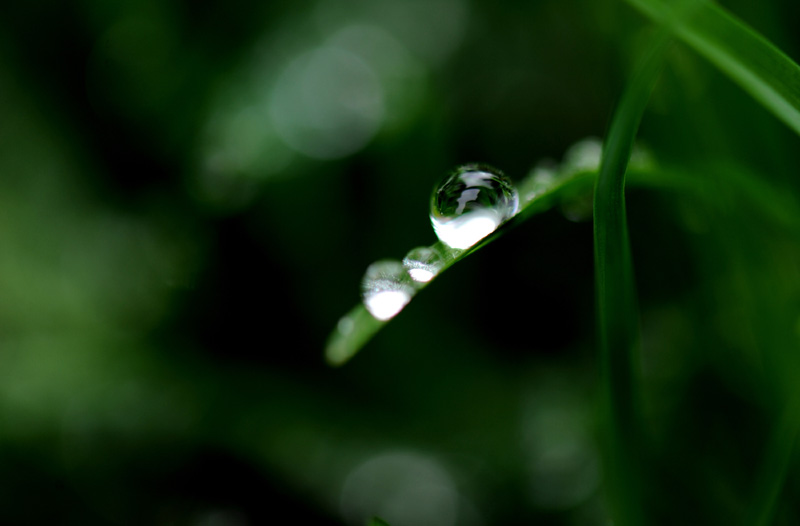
386,289
471,203
423,263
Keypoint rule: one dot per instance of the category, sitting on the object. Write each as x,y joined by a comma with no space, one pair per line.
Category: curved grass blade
617,309
358,326
773,79
760,68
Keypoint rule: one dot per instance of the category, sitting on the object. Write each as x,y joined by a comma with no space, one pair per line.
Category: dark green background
170,267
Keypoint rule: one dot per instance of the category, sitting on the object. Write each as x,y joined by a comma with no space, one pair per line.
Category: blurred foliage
190,192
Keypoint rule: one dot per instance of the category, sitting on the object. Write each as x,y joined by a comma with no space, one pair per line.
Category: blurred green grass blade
764,71
773,79
377,521
617,310
776,465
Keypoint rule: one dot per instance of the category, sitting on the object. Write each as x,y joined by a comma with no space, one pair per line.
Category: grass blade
352,332
760,68
358,327
773,79
617,311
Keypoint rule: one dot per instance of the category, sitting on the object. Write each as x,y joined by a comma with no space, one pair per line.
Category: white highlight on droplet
423,263
464,231
421,275
386,288
386,304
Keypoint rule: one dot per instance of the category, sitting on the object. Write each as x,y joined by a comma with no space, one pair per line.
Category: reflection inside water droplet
386,288
423,263
470,204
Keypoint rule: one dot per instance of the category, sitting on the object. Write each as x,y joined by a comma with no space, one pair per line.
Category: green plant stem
617,310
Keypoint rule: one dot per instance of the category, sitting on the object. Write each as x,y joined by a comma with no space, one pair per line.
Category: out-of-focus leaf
763,70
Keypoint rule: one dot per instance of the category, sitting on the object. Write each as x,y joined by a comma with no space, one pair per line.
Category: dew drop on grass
584,155
470,203
540,181
386,288
423,263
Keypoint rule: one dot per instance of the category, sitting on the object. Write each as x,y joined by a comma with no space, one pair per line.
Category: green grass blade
352,332
773,79
760,68
377,521
358,327
617,310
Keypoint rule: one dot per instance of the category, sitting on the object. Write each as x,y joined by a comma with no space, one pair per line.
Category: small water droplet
423,263
584,155
345,325
540,180
470,203
386,288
